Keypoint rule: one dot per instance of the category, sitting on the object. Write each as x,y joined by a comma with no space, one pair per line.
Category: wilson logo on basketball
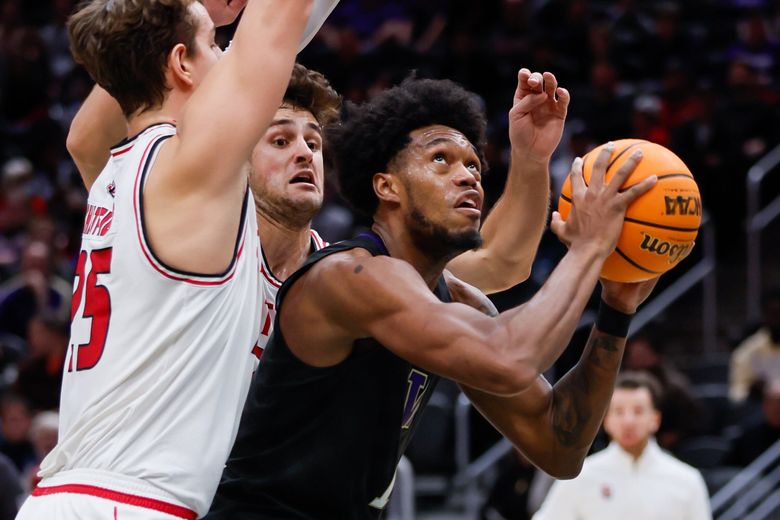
675,252
680,205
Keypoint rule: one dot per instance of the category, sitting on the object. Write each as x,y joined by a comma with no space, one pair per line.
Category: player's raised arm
98,125
228,113
514,227
388,300
555,426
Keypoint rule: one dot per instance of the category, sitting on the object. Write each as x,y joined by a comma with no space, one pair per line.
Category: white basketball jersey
157,370
271,286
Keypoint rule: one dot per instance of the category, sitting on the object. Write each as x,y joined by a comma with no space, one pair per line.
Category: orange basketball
661,225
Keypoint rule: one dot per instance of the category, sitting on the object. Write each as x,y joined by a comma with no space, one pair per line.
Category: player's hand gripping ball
661,225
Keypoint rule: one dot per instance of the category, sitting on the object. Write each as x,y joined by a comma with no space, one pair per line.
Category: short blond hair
124,45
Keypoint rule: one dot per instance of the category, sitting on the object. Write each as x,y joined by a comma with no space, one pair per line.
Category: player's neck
285,249
167,113
400,245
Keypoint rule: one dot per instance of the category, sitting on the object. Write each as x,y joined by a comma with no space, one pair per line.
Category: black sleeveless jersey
323,443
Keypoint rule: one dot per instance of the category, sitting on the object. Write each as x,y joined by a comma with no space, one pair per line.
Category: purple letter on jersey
417,381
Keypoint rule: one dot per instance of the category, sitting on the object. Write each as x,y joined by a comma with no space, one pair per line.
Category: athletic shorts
84,502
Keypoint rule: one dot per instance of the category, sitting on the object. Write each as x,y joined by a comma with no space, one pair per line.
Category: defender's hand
224,12
598,209
537,115
626,297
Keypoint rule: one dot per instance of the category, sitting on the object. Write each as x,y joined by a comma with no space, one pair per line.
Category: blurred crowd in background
701,77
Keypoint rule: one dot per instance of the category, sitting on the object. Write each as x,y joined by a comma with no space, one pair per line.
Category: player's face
443,194
286,167
206,52
631,419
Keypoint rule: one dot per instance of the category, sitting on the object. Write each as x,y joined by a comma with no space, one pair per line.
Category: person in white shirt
757,358
632,478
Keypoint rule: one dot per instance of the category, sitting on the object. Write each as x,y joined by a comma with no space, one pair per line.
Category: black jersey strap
376,239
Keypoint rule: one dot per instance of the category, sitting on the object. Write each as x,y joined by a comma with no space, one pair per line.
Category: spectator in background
605,108
15,418
11,492
16,206
756,438
43,434
40,375
632,478
681,416
35,289
645,120
757,358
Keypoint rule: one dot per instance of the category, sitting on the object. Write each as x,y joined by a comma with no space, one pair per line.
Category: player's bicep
387,300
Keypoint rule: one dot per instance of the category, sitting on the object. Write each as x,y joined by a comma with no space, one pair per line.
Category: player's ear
180,67
387,187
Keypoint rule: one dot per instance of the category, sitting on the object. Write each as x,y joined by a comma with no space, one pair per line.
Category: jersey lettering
417,384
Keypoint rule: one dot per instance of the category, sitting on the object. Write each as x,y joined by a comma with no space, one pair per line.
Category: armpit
469,295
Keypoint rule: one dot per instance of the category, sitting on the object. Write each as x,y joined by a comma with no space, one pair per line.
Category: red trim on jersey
317,243
257,351
142,243
117,496
120,152
125,145
273,281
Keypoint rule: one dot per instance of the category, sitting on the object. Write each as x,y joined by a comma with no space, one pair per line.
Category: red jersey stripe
142,241
118,496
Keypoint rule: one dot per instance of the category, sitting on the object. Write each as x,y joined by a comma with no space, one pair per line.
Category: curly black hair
372,134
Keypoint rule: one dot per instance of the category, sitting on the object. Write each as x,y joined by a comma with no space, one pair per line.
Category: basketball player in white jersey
165,301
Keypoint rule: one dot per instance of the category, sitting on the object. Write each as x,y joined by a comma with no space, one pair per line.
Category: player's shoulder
339,265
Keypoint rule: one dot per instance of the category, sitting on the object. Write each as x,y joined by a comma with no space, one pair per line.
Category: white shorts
85,502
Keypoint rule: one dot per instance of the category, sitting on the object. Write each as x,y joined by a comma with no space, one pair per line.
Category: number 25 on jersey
97,308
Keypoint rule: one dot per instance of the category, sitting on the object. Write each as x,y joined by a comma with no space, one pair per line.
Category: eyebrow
286,122
443,140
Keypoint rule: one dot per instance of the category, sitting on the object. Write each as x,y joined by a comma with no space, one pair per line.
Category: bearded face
287,176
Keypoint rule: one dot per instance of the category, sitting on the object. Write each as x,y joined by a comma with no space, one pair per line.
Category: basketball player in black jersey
365,327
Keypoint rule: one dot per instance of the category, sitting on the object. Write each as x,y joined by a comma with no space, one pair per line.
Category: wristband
613,322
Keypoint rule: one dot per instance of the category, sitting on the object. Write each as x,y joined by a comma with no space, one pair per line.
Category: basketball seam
618,156
661,226
627,259
662,176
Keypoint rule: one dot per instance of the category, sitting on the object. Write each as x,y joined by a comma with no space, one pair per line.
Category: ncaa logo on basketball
680,205
660,247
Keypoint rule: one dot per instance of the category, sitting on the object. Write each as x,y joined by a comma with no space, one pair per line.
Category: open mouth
470,200
303,177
